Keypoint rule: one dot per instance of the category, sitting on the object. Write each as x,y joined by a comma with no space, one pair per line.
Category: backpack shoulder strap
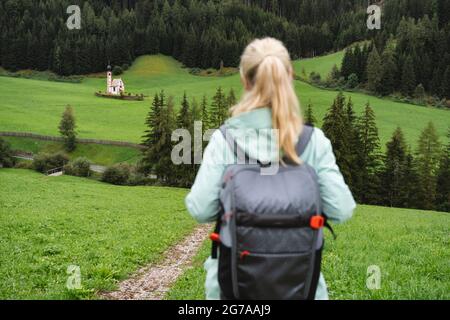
240,154
304,139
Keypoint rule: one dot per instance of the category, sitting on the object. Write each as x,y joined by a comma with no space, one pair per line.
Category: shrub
80,167
125,66
315,77
24,165
195,71
118,174
44,161
352,81
6,155
117,71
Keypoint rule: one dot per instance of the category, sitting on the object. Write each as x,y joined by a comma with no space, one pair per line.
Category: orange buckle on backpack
244,254
317,222
214,237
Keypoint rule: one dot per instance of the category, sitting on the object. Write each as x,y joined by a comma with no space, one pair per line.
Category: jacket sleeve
202,201
337,200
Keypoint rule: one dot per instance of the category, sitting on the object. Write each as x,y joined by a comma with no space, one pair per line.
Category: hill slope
321,65
40,109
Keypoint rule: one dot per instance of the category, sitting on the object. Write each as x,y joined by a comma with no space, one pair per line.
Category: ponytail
266,68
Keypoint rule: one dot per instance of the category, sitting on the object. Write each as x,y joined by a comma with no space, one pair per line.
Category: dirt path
152,282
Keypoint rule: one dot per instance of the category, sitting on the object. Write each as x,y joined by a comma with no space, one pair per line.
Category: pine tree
443,180
374,70
419,93
363,62
196,112
335,74
231,99
67,129
428,155
155,138
184,119
408,82
411,186
446,84
436,82
336,129
163,167
357,57
351,117
151,136
218,109
309,116
353,144
388,73
368,157
392,184
205,114
183,171
348,63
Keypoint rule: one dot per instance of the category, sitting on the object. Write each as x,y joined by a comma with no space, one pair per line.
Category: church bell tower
108,78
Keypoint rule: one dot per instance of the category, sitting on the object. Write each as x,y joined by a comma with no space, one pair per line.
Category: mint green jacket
203,200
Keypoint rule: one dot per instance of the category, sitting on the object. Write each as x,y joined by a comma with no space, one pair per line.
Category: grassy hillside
40,109
409,246
47,224
321,65
96,153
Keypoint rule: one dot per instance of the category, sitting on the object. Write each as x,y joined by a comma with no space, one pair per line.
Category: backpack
269,232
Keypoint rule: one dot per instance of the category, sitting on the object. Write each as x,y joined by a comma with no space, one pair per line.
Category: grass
40,109
321,65
99,154
47,224
409,246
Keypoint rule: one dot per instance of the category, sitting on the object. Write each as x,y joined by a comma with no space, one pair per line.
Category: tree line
199,33
399,177
412,49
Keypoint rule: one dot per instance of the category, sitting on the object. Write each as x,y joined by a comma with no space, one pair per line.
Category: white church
114,86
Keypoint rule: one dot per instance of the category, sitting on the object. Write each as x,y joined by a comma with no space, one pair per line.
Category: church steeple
108,78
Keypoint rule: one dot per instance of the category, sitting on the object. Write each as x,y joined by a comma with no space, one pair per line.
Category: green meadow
36,105
321,65
409,246
47,224
110,231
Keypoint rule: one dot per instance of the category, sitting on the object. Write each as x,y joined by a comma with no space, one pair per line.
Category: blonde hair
266,70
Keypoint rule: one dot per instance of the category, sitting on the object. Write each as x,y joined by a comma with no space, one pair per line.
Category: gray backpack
269,233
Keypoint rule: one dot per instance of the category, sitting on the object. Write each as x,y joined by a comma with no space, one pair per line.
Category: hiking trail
152,282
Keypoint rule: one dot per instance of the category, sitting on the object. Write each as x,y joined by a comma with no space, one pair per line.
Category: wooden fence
79,140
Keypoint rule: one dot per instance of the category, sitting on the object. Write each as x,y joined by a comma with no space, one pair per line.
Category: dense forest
411,57
198,33
411,51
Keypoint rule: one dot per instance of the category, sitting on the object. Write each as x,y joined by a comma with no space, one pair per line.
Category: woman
269,101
